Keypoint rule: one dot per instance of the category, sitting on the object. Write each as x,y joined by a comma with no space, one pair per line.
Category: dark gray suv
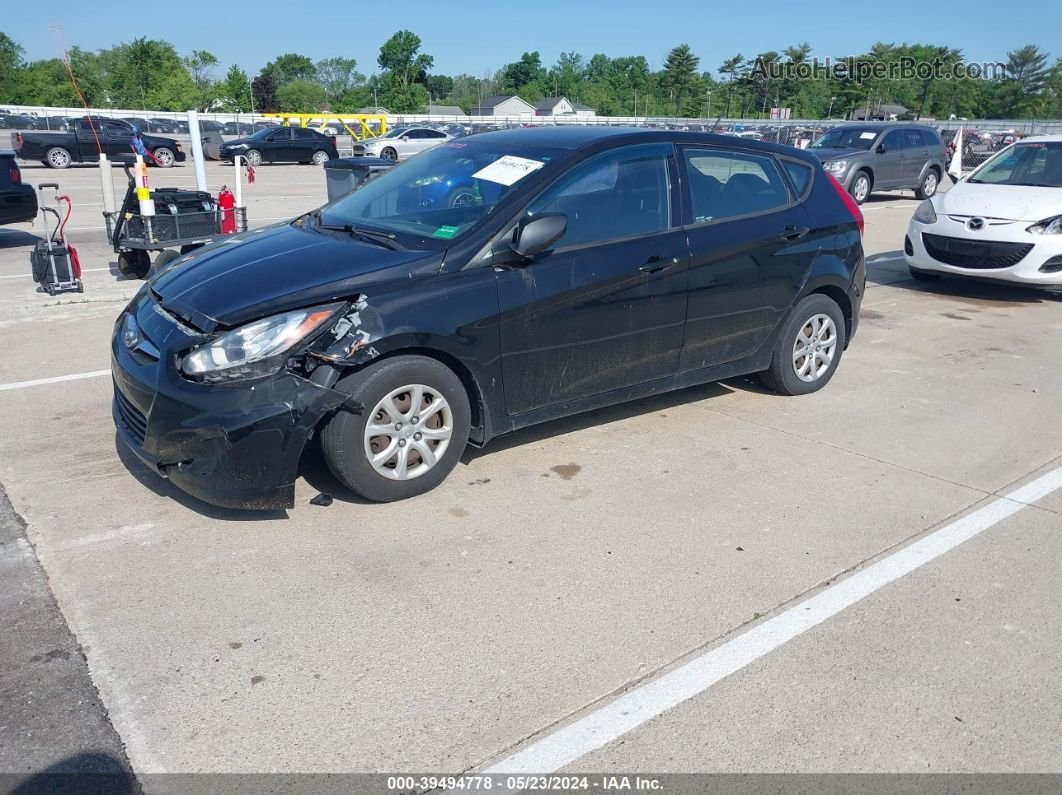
866,157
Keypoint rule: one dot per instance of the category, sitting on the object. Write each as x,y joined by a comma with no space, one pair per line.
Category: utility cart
184,220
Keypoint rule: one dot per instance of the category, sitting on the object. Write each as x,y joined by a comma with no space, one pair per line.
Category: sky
480,36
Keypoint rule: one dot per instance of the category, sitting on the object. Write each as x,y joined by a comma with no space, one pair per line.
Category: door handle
794,232
657,263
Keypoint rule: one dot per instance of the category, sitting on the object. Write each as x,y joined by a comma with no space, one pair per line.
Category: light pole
829,113
709,103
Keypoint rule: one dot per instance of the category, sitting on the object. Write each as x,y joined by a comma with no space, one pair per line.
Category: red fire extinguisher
227,203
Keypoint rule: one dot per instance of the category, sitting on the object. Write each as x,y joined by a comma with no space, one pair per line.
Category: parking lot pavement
568,562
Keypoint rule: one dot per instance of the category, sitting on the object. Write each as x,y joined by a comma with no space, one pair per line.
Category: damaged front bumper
234,446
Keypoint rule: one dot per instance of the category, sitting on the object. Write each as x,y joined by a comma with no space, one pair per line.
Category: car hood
833,154
1013,202
277,269
237,141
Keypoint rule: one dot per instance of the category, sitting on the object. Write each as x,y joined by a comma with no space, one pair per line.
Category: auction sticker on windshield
508,170
868,135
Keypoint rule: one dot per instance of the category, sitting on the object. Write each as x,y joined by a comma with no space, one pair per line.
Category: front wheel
320,158
409,435
164,157
253,158
389,154
860,189
808,349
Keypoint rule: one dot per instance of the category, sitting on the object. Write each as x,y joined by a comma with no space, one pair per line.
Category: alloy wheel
814,348
408,432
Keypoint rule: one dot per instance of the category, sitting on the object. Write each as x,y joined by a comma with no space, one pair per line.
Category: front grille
135,422
974,254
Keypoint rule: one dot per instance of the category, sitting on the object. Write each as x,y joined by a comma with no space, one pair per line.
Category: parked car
868,157
237,128
596,265
59,150
282,145
209,125
18,201
401,143
1002,221
164,125
16,121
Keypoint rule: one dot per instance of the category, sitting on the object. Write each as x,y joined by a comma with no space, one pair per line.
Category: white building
503,106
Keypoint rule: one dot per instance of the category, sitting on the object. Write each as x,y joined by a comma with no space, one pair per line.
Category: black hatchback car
588,266
282,145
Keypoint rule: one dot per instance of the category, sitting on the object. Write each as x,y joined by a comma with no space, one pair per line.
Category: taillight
16,175
849,202
18,137
333,140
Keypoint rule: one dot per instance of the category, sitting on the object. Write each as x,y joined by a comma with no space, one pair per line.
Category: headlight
836,166
1049,226
257,349
130,332
424,181
235,146
925,214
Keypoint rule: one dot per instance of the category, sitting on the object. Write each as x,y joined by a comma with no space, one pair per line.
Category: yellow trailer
356,124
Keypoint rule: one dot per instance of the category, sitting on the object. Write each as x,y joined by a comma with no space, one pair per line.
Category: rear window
799,174
931,138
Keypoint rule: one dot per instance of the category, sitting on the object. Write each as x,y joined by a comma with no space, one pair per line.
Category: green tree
235,90
519,75
200,65
1027,74
338,77
264,90
565,78
11,67
733,69
301,96
290,67
680,73
400,56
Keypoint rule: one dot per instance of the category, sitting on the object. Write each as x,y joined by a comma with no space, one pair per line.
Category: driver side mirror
882,149
538,234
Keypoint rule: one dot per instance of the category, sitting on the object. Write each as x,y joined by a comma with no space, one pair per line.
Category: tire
320,158
164,258
462,196
861,187
928,187
788,374
164,158
57,157
253,158
347,445
920,275
388,153
134,264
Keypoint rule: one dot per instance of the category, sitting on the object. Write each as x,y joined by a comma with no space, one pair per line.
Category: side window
893,141
117,130
799,174
414,135
931,138
625,193
726,184
912,139
283,134
434,134
302,133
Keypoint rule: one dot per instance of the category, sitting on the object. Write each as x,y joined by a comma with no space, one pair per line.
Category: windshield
1033,164
847,138
439,195
262,133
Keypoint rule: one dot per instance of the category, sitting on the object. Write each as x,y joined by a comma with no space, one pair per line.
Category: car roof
578,137
1041,139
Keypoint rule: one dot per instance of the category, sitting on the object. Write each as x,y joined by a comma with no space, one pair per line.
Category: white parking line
56,380
637,706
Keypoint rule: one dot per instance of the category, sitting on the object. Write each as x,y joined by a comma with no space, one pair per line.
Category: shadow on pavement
83,774
13,238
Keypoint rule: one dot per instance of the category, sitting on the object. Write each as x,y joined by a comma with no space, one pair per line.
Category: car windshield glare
1030,164
850,138
262,133
441,194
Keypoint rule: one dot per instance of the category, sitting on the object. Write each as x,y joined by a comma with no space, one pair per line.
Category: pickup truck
59,150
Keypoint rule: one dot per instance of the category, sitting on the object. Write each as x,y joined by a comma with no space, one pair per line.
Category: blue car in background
451,188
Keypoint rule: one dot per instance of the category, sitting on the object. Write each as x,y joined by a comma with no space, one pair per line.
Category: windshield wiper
380,238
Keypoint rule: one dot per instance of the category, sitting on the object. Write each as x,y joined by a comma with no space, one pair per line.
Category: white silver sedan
402,143
1003,221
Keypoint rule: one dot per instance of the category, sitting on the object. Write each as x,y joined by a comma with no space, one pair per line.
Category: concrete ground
575,561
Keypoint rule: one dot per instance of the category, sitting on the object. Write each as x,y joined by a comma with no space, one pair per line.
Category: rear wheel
320,158
409,435
808,348
57,157
929,184
462,197
134,264
860,188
